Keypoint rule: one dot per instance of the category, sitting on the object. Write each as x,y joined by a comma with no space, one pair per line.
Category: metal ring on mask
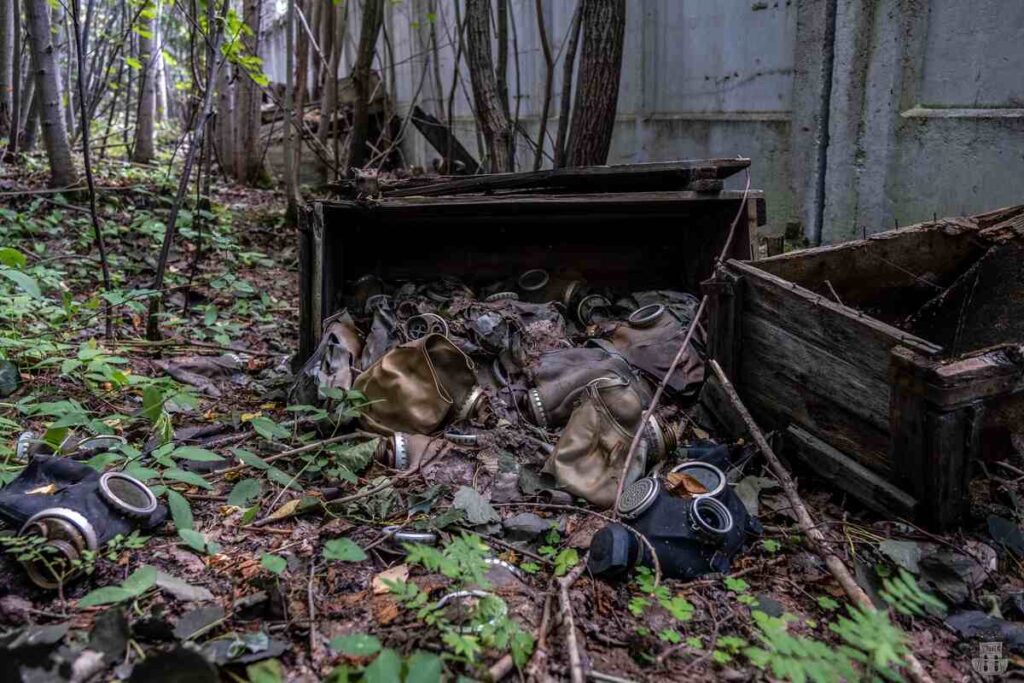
102,441
646,316
656,436
419,326
710,518
462,439
75,519
120,504
25,441
401,451
501,296
512,569
587,305
570,292
638,497
536,403
698,465
461,596
535,279
469,406
398,534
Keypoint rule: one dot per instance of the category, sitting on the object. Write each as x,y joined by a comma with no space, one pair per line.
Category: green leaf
269,429
423,667
566,560
140,581
12,258
251,459
107,595
356,645
343,549
387,668
244,491
193,539
196,454
133,63
181,510
478,510
152,403
24,281
275,564
187,478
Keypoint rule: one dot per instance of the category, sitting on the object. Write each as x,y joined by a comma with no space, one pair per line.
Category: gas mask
588,459
560,378
334,363
694,521
419,387
75,509
410,451
649,340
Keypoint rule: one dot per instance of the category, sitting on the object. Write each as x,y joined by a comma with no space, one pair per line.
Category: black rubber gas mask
75,509
693,533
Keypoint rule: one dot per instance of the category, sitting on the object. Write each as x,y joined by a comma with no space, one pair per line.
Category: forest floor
254,578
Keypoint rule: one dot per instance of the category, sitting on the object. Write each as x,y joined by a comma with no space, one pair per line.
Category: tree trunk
335,16
7,71
249,161
161,67
290,187
373,17
501,68
494,123
55,136
144,152
17,99
224,123
30,121
597,88
568,68
549,75
300,76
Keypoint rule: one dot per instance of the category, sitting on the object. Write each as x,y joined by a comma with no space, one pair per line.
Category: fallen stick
538,662
575,660
804,520
295,451
690,329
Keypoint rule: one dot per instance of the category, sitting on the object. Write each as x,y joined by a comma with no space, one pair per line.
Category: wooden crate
625,227
875,359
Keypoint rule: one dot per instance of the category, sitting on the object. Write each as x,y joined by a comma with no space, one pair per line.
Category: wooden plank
848,475
950,384
307,333
440,138
778,400
715,401
725,296
818,371
861,339
655,176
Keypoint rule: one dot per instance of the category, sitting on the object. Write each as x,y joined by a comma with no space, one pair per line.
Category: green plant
906,597
485,623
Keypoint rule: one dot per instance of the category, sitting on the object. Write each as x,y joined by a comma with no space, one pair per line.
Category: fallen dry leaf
399,572
682,484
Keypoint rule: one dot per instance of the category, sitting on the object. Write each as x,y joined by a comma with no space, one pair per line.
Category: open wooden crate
891,363
628,228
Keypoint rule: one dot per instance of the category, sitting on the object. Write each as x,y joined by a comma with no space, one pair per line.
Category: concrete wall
858,114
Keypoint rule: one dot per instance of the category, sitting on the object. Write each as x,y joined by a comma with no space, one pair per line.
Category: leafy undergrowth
279,567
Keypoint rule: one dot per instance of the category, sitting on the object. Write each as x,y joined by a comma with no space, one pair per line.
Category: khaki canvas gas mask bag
589,456
419,387
560,377
649,341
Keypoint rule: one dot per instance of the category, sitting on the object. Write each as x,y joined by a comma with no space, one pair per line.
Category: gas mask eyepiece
127,495
68,535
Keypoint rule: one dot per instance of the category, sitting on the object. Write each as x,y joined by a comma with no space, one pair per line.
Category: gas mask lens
710,518
127,494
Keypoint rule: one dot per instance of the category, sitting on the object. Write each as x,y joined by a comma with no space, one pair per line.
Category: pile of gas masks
695,523
65,510
440,363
